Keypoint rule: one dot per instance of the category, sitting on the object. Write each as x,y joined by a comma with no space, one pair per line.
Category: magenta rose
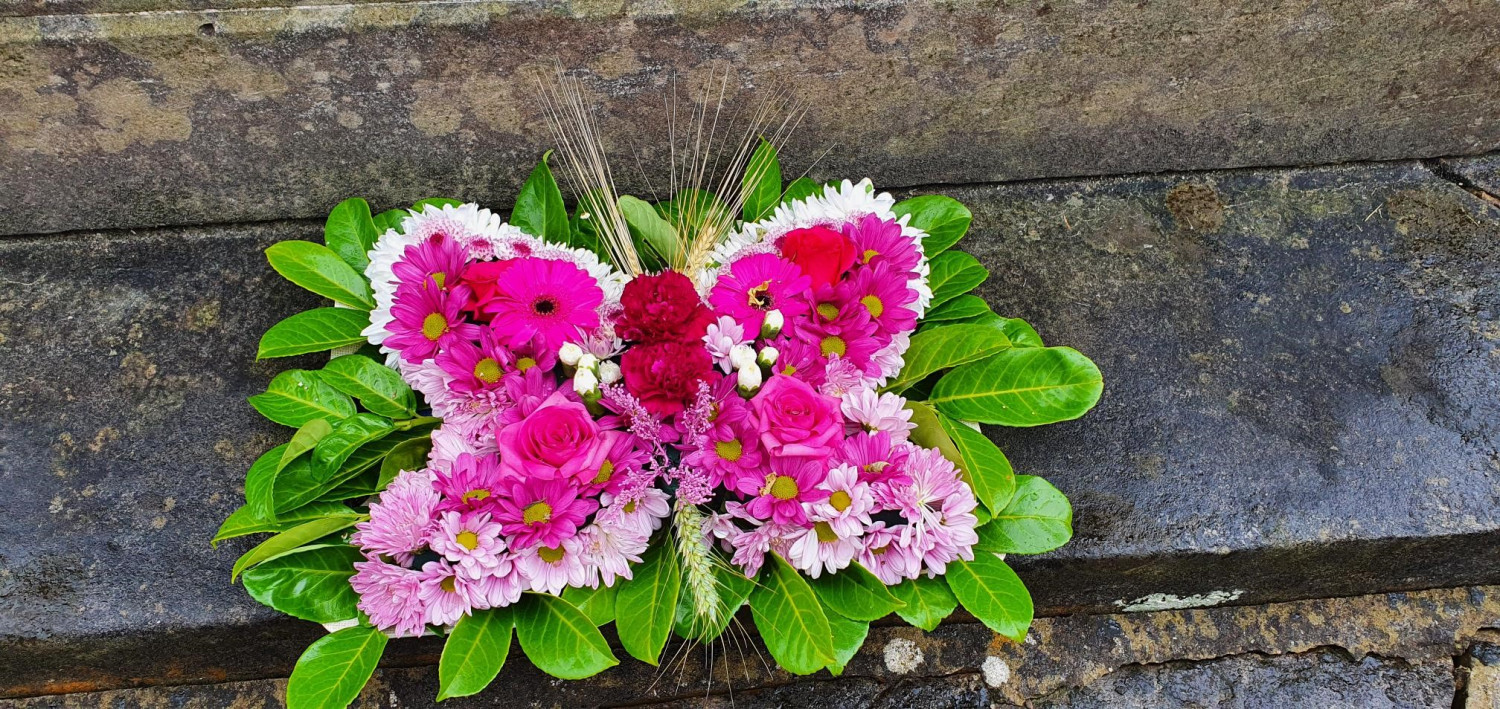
558,440
793,419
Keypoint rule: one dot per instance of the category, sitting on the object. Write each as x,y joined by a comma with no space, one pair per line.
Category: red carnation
665,375
661,308
822,253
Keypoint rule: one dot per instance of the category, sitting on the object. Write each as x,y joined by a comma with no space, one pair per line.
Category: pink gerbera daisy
438,260
542,512
791,482
426,318
878,241
390,595
473,483
553,299
401,520
757,284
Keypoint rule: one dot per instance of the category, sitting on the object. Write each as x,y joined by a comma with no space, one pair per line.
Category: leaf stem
410,424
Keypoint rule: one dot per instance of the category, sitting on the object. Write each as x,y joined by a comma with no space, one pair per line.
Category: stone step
132,113
1301,401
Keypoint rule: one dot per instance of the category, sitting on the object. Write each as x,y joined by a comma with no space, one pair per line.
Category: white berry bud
570,353
772,325
585,382
588,361
742,356
768,355
609,372
749,378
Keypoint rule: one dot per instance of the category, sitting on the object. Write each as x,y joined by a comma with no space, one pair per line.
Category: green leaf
331,672
962,307
1029,386
800,189
539,209
855,594
314,330
929,431
350,233
407,455
928,601
790,619
378,387
596,603
302,483
993,593
260,481
318,269
650,231
762,183
848,636
311,585
1021,333
297,396
985,468
943,218
953,274
348,435
559,639
690,209
421,205
390,220
300,535
649,602
304,440
474,652
733,589
243,521
1038,519
949,346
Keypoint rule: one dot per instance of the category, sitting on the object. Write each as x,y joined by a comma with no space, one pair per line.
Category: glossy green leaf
539,209
316,330
960,308
650,231
800,189
350,232
300,535
260,482
407,455
943,218
297,396
733,589
954,273
318,269
649,602
855,593
348,436
761,183
1038,519
474,652
790,619
690,209
333,670
985,468
421,205
390,220
304,440
940,348
1021,333
378,387
596,603
302,483
243,521
1028,386
848,636
359,487
929,431
559,639
993,593
311,585
928,601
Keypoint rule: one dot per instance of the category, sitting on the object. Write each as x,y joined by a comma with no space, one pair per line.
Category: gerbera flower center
839,500
487,370
730,450
869,254
525,363
544,305
783,488
872,303
538,512
833,345
825,533
829,311
551,555
467,540
477,493
449,584
434,326
760,297
606,471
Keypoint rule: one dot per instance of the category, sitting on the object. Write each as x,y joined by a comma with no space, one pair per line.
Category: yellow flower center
880,551
449,584
730,450
467,540
434,326
873,305
839,500
476,494
825,532
829,311
630,507
869,254
538,512
525,363
833,345
440,279
783,487
487,370
606,472
551,555
789,370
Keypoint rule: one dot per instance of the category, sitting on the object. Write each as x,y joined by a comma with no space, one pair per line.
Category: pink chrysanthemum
952,533
542,512
390,595
426,318
933,480
447,595
880,241
401,521
473,483
800,360
553,299
527,390
884,296
477,366
820,548
751,547
551,568
757,284
791,483
437,261
872,411
880,460
841,376
849,502
849,339
885,556
472,541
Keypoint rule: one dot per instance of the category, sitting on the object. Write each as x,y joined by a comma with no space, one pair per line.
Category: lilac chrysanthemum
401,520
885,556
390,595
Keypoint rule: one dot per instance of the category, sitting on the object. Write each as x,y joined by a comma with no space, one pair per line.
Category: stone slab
1480,172
122,116
1300,402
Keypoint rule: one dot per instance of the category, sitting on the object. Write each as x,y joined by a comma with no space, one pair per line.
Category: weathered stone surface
1301,401
1481,668
1482,172
127,119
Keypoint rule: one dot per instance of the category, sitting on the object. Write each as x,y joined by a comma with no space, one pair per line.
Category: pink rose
793,419
558,440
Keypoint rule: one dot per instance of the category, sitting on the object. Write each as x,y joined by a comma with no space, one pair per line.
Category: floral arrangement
649,416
